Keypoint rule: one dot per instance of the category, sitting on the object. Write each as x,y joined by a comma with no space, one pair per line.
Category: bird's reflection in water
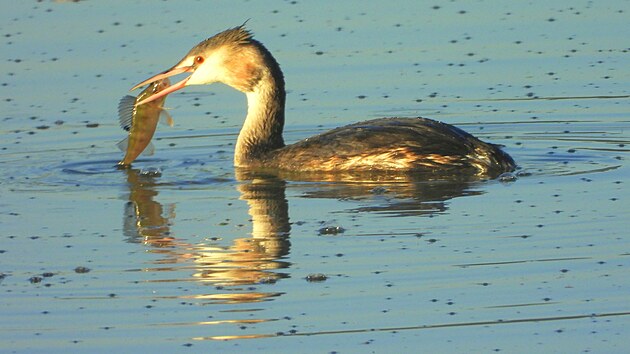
391,193
402,198
250,260
259,257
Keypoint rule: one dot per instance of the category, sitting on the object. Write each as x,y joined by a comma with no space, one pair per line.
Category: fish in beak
141,121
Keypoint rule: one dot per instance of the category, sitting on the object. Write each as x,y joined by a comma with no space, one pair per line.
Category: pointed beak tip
165,74
137,86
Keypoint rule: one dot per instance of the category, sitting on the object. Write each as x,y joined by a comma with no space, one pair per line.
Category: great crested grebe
234,58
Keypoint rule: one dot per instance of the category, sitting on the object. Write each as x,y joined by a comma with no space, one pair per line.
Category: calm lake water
182,254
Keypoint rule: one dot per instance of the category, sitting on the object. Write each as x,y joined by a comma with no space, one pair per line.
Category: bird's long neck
262,130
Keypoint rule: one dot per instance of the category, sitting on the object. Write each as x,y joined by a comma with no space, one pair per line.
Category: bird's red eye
199,59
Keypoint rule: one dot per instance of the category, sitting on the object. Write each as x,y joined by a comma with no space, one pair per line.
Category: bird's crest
234,36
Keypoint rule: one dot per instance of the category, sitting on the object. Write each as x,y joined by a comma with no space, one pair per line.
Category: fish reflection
146,220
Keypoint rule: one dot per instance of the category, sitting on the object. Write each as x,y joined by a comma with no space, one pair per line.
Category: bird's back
412,144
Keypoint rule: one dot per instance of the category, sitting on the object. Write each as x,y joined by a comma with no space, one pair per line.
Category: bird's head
231,57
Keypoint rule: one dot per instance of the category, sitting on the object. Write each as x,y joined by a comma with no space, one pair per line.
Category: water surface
183,254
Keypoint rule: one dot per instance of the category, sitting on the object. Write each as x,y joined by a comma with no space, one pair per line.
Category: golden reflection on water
256,259
500,322
217,322
246,336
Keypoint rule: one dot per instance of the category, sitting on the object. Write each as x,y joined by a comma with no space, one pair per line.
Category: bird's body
387,144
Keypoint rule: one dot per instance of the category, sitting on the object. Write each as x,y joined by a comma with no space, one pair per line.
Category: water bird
141,120
423,145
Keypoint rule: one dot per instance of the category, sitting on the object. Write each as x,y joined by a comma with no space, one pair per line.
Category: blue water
181,254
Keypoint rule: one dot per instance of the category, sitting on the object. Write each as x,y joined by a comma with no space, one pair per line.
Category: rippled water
184,254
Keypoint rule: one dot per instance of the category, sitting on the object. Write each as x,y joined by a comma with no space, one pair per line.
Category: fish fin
126,108
123,144
166,118
149,150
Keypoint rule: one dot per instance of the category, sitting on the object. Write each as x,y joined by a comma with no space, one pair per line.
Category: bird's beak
168,73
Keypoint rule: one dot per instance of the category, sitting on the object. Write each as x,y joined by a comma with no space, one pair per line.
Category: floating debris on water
508,177
268,280
81,270
151,172
316,278
379,190
35,279
331,230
